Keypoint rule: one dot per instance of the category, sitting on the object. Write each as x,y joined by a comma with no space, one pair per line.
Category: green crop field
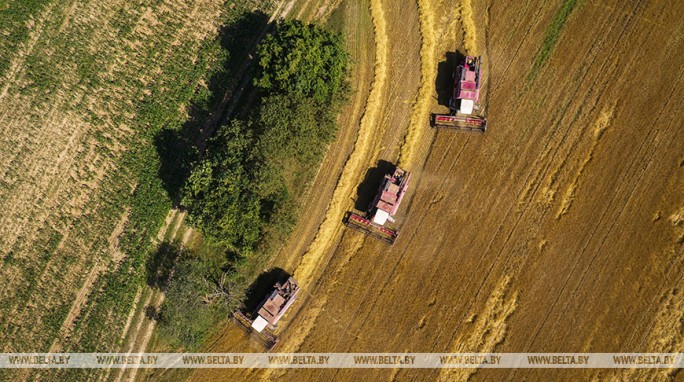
88,91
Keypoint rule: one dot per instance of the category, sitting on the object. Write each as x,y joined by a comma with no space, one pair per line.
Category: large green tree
218,193
302,60
255,170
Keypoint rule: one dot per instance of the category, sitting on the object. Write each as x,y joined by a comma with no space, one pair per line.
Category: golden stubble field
561,229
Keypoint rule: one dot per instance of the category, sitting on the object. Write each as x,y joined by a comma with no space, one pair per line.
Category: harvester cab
383,208
264,319
464,102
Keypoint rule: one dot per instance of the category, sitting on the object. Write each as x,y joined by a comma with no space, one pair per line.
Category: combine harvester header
383,208
268,313
464,99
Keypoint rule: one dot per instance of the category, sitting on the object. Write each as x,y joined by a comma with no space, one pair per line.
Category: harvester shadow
261,287
180,146
366,191
444,83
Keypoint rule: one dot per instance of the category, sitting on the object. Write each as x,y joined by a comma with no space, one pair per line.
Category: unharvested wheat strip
330,228
421,109
464,12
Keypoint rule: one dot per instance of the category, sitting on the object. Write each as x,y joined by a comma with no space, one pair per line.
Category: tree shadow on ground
152,313
366,191
444,83
160,264
261,287
179,148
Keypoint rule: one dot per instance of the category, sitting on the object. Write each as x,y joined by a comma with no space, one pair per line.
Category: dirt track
560,229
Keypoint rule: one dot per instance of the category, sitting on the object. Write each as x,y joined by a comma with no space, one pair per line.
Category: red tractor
383,208
464,100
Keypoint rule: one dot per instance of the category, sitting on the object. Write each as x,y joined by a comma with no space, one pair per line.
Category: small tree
195,303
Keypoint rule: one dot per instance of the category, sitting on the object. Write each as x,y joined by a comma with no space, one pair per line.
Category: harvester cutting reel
460,122
364,225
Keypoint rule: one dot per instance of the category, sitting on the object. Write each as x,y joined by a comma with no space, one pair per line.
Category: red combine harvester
383,208
464,100
268,313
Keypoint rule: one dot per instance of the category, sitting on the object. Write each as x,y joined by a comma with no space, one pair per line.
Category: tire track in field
145,327
559,295
543,322
600,126
101,266
517,49
489,329
355,314
636,184
623,183
557,119
676,258
637,159
539,162
666,336
679,257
